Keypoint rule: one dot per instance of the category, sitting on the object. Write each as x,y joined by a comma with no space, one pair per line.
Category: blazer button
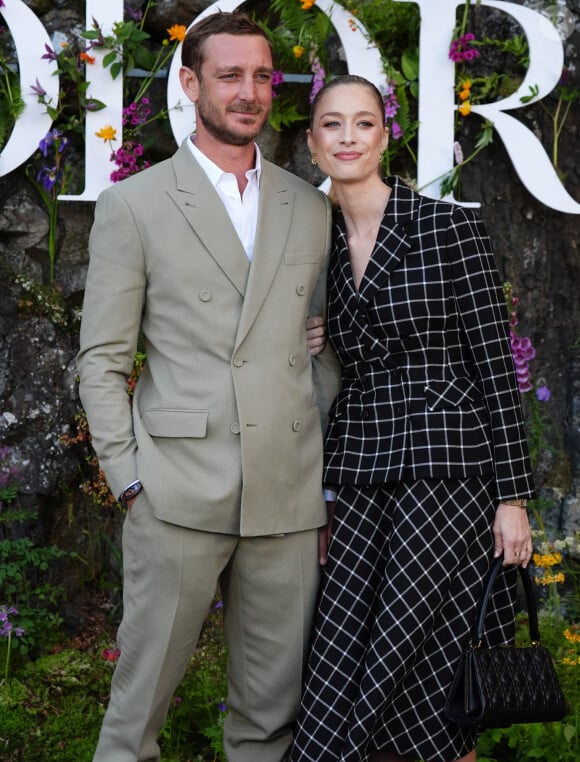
238,362
301,289
205,296
292,360
235,428
296,426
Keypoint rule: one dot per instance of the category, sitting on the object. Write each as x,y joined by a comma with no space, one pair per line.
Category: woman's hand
315,335
513,536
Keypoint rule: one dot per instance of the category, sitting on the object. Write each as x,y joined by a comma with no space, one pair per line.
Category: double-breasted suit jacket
225,419
429,386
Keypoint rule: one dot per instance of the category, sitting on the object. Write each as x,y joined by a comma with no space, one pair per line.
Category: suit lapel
199,202
274,216
392,243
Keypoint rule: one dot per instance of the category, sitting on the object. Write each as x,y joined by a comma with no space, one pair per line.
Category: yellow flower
466,84
547,579
573,637
571,662
307,4
298,51
107,133
465,108
176,33
547,559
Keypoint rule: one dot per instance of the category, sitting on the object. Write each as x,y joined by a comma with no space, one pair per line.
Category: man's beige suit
224,430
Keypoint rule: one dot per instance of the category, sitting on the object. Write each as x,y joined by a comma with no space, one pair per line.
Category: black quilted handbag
500,685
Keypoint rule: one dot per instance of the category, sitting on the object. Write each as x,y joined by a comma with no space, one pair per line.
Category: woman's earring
314,158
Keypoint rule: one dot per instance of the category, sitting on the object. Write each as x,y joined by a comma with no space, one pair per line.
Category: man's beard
215,125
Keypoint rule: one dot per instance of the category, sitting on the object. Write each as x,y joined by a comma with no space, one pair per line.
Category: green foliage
11,103
53,709
24,571
544,742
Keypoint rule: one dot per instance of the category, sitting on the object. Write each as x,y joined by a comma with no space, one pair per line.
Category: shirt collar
215,173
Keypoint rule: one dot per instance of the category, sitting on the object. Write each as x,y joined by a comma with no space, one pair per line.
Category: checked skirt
405,571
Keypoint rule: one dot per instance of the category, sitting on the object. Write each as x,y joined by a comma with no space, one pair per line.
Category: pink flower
462,50
317,79
396,131
111,654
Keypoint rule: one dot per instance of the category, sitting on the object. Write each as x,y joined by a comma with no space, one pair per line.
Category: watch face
131,492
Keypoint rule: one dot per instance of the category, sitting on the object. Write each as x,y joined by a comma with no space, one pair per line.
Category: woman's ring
516,553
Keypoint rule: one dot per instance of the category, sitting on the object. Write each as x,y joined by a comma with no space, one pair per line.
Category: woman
426,448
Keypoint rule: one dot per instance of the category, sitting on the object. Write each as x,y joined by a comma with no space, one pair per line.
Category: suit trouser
269,587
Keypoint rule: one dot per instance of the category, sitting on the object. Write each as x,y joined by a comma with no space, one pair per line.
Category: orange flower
87,58
464,95
298,51
465,108
107,133
571,634
307,4
176,33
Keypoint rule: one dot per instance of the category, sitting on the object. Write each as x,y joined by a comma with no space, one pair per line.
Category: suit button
301,289
292,360
205,296
235,428
238,362
296,426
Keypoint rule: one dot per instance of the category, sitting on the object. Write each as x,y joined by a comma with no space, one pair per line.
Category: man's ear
189,83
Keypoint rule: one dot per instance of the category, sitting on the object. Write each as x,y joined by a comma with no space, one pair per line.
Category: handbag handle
477,630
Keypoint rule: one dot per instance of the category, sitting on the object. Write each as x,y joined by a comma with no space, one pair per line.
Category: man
217,257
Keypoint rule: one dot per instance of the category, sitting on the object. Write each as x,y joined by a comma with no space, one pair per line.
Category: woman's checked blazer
429,387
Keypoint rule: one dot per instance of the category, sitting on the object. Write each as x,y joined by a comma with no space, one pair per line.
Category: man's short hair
221,22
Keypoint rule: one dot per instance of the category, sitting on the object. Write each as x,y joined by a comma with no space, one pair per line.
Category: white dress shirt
242,210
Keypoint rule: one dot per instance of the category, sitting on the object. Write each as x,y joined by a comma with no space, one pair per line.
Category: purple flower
50,55
277,78
38,88
222,707
317,79
543,393
396,131
391,102
52,137
126,160
48,176
462,50
133,13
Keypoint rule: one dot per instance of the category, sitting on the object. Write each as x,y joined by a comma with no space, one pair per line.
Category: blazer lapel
392,244
274,216
199,202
